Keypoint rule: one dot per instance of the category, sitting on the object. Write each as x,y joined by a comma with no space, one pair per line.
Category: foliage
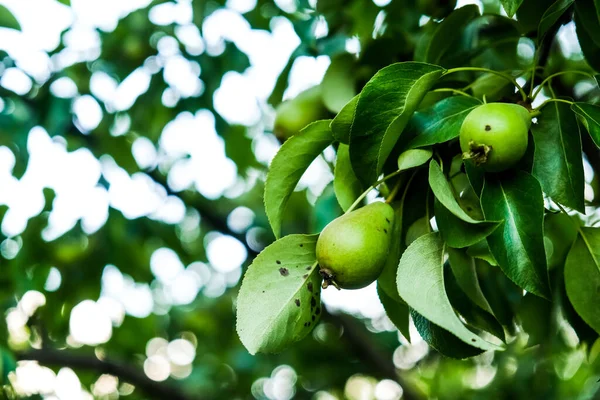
499,273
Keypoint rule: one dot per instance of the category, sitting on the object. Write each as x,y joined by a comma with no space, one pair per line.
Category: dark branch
134,376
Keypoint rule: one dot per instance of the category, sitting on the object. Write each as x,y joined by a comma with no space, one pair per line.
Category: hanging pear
353,248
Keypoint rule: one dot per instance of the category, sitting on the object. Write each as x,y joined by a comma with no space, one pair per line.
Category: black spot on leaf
284,271
488,128
318,310
313,317
301,245
308,268
305,276
309,287
313,302
297,301
278,262
385,230
473,340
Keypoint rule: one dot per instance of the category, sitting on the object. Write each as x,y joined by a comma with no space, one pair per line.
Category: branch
134,376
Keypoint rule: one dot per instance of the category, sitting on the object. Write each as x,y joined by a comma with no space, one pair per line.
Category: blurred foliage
560,359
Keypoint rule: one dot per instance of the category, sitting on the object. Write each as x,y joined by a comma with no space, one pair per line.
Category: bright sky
189,143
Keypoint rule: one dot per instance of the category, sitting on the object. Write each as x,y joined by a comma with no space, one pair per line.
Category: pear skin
353,248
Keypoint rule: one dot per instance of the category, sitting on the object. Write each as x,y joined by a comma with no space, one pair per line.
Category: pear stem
373,186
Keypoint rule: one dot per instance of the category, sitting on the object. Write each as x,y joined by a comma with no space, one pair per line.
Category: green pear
294,114
353,248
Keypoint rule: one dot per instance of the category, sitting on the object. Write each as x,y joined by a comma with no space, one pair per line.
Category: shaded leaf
342,123
551,16
338,83
463,269
590,116
288,166
384,107
518,244
511,6
582,276
346,185
396,311
440,122
557,161
421,284
458,233
280,295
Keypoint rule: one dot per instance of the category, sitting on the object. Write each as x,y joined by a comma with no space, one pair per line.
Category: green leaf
476,176
346,185
449,32
472,314
442,340
421,284
560,230
511,6
551,16
590,116
458,233
337,87
342,123
279,301
387,279
396,311
557,161
288,166
481,251
440,122
582,276
588,17
413,158
326,209
518,245
384,107
7,19
535,314
590,50
444,194
463,269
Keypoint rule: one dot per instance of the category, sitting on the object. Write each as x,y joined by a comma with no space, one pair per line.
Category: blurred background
135,136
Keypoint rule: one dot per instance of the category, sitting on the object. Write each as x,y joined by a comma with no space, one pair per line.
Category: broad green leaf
288,166
442,340
518,244
396,311
492,86
342,123
557,161
589,48
582,276
458,233
7,19
561,232
463,269
444,194
590,116
476,176
279,301
588,18
511,6
346,185
337,87
551,16
474,316
535,314
413,158
440,122
384,107
421,284
481,251
448,32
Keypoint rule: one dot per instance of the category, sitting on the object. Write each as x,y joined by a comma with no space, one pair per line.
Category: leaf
472,314
561,232
590,116
557,161
384,107
442,340
449,32
7,19
413,158
346,185
288,166
551,16
444,194
440,122
457,233
463,269
326,209
342,123
590,50
511,6
279,301
421,284
582,276
475,175
396,311
518,244
588,18
481,251
535,314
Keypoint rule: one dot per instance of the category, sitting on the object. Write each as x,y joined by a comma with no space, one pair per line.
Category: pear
353,248
294,114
